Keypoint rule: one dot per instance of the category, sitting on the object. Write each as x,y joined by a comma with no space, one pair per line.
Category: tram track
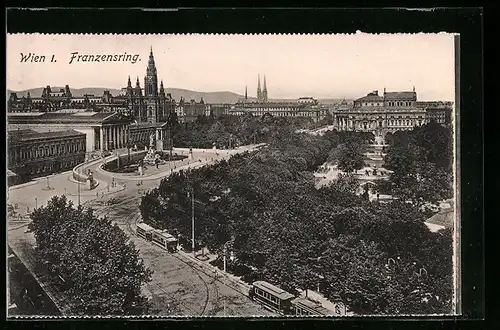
126,224
190,264
197,272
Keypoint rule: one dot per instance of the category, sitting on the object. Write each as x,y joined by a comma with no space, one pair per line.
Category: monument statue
151,141
152,158
90,178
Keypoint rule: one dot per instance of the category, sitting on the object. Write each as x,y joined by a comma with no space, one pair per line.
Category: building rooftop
370,97
445,217
30,135
58,117
384,109
145,227
400,96
316,306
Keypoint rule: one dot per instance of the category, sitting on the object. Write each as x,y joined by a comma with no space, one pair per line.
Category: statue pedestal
151,157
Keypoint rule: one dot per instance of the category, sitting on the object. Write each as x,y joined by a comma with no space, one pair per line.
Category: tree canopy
422,164
284,230
230,131
91,260
348,156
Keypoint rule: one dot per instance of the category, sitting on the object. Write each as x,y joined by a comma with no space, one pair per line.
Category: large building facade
147,104
303,107
390,112
103,131
31,154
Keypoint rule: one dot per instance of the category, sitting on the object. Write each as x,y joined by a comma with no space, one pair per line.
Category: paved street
179,285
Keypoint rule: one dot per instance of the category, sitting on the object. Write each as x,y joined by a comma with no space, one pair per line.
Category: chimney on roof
413,89
384,90
375,92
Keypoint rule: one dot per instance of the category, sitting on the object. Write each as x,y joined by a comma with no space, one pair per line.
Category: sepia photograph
205,175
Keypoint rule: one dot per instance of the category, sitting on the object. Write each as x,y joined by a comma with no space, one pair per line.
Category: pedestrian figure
141,183
97,194
378,196
108,188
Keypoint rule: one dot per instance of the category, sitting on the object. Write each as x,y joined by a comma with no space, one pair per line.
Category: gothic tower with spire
151,90
150,103
264,91
259,91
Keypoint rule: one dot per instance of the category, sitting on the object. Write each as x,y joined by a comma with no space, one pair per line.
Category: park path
180,286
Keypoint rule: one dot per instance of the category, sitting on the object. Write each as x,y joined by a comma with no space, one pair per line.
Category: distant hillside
177,93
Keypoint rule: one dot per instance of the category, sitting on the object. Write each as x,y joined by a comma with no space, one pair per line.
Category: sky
321,66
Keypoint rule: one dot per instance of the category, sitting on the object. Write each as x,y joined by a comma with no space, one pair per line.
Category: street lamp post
79,190
36,202
192,222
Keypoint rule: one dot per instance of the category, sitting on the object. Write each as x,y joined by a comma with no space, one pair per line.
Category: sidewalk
225,278
162,174
22,185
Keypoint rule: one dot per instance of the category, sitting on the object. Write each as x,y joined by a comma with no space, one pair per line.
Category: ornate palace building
390,112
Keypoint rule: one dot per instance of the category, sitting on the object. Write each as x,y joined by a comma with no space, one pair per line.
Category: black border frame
468,22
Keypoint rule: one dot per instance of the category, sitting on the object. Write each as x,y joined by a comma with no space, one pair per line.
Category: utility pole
225,251
225,274
192,220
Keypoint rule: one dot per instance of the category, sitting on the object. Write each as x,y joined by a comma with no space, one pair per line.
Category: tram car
302,306
145,231
164,240
272,297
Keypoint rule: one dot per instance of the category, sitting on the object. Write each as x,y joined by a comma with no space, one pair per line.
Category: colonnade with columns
114,136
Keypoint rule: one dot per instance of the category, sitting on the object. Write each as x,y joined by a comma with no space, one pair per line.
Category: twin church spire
261,93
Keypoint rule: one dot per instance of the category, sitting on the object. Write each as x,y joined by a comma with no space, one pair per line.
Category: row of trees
90,260
230,131
378,258
422,161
